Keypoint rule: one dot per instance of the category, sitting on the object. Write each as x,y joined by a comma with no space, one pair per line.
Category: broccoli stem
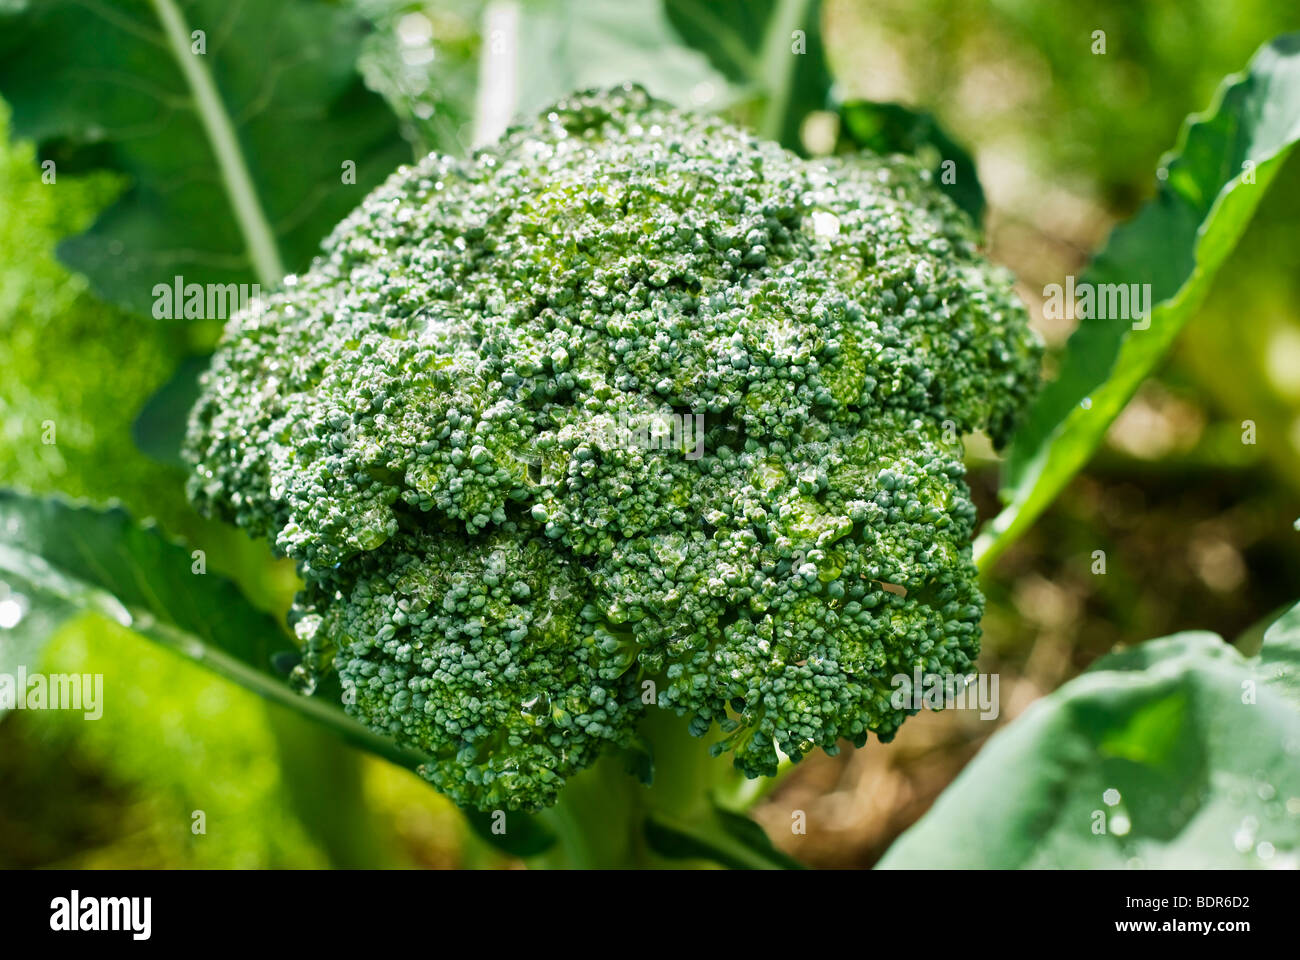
322,777
601,816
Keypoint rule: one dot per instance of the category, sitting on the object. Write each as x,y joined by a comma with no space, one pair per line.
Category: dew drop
11,613
302,680
825,224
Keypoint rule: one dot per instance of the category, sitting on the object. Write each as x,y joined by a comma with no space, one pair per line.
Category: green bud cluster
423,420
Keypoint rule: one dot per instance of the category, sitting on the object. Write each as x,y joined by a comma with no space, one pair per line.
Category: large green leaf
770,49
1210,187
537,51
69,558
234,157
1184,752
62,559
763,59
423,59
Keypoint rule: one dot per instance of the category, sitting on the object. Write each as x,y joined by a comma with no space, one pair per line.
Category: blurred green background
1196,524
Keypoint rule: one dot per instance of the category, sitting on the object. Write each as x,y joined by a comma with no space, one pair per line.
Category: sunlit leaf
80,558
1210,187
1176,753
538,51
769,49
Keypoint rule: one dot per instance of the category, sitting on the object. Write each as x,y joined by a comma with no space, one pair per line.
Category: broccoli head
629,409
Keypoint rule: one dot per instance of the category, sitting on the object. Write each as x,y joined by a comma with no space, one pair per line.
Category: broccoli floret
480,653
471,422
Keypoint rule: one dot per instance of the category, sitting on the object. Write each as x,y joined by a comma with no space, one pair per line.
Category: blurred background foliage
1195,524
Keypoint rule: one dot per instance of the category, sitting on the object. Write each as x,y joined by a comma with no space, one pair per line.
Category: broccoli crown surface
473,422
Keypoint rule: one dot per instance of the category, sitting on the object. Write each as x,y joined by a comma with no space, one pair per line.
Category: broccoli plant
439,422
629,440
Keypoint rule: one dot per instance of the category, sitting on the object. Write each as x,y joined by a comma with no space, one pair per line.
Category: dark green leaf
234,157
160,427
729,839
752,836
523,836
770,49
1210,187
639,761
1183,752
80,558
892,128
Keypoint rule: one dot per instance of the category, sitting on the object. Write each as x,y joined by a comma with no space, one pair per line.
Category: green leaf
1279,658
770,49
892,128
79,558
726,838
1176,243
538,51
26,623
159,429
1186,753
766,53
63,559
234,157
423,59
639,761
523,836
